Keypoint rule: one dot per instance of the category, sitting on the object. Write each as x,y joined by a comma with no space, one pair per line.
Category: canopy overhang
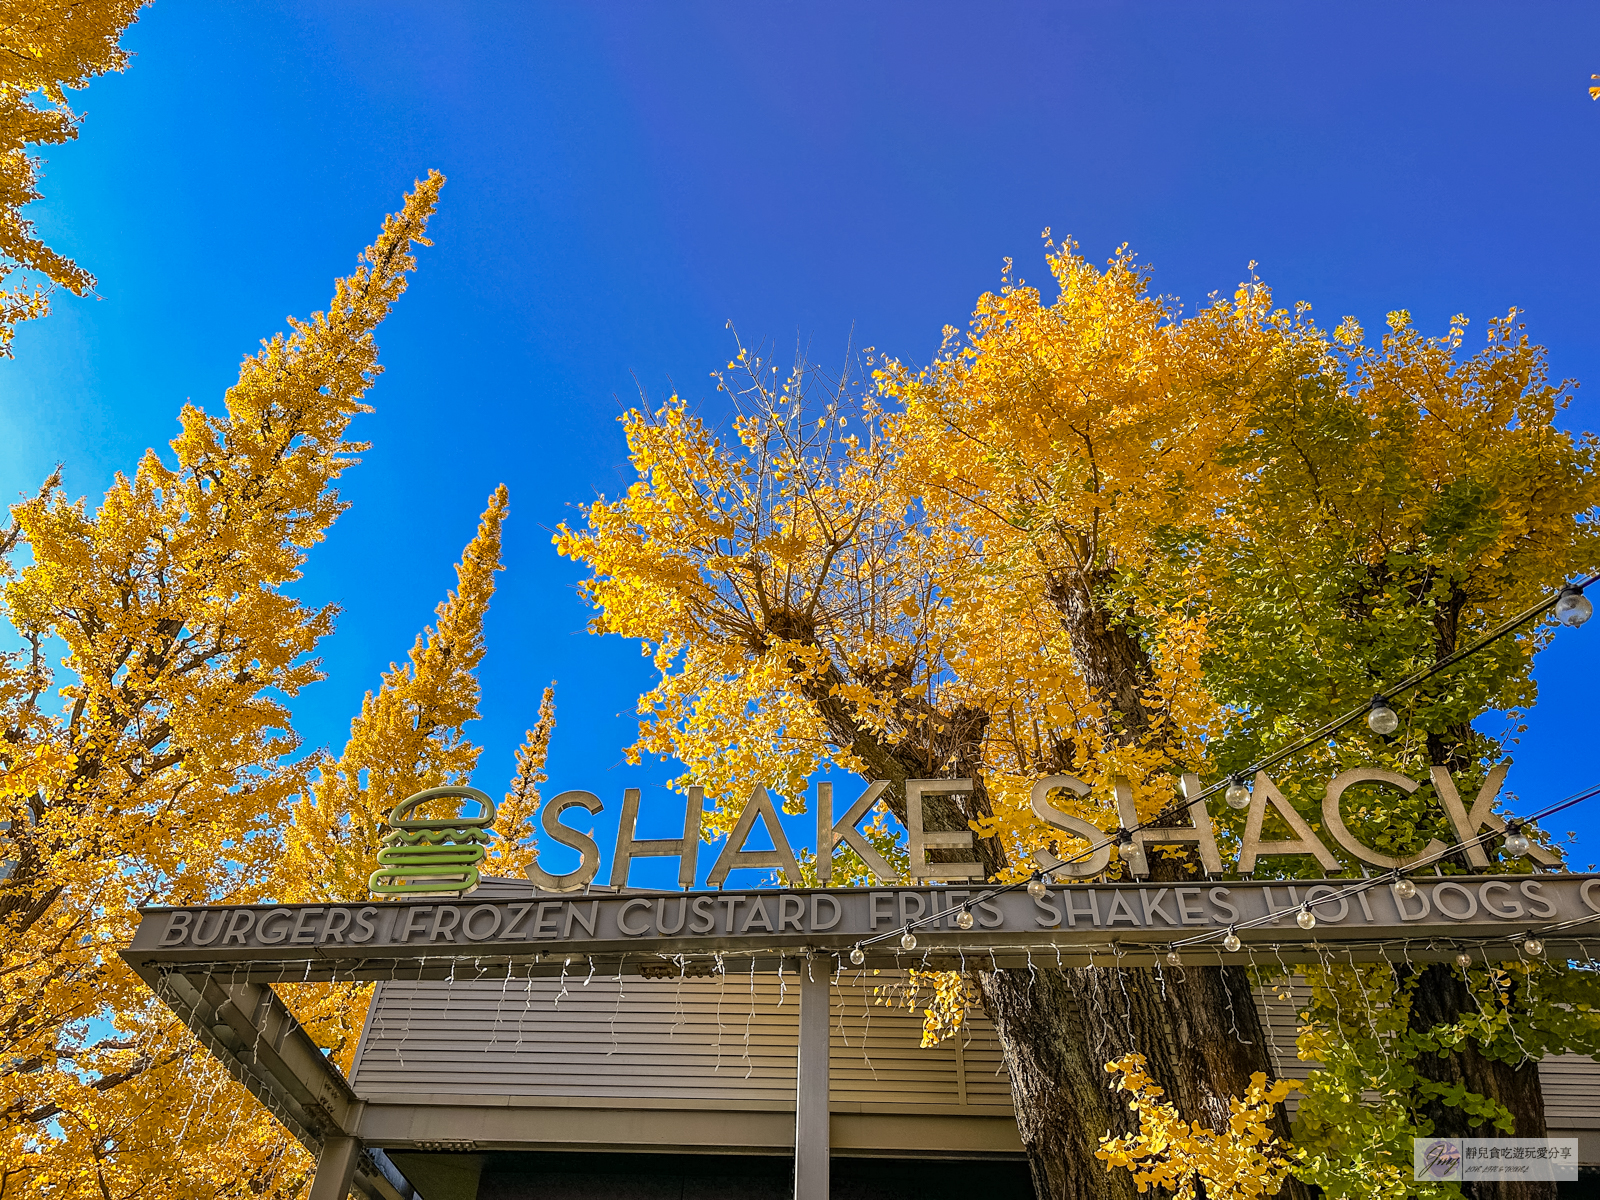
215,967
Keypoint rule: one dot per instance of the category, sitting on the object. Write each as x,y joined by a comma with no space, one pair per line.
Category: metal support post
336,1168
811,1083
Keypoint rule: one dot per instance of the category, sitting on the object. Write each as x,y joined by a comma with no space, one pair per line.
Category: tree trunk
1198,1027
1441,998
1058,1083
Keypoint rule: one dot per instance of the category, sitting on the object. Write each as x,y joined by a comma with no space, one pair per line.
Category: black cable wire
1334,726
1355,889
1123,836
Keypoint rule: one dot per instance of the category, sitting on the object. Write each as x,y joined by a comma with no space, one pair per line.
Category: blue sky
627,179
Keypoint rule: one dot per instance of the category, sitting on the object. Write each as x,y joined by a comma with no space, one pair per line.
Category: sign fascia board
1079,924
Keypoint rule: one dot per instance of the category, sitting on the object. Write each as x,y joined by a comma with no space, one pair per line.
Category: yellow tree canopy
774,579
1075,457
933,586
1391,521
408,737
157,761
517,847
46,47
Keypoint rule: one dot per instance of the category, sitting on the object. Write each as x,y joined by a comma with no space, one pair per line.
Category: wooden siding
698,1043
729,1043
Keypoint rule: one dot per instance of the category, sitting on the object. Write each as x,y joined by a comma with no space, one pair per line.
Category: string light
1516,843
1355,889
1305,917
1237,795
1124,837
1382,719
1172,957
1530,941
1573,607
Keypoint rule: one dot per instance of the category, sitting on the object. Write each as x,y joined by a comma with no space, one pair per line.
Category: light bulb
1036,887
964,918
1463,960
1231,943
1237,795
1533,946
1573,608
1307,919
1516,841
1174,958
1404,888
857,955
908,940
1382,719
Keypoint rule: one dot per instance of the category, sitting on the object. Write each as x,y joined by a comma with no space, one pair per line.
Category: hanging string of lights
1571,608
1403,886
1405,889
729,961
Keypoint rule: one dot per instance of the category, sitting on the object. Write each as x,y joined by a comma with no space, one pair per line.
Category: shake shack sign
438,856
441,914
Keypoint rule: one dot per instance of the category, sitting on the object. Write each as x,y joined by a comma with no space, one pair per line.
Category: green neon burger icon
436,856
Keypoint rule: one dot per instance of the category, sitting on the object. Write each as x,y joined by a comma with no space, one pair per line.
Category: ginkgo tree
1393,521
156,759
173,773
818,590
1034,557
407,737
46,48
410,735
